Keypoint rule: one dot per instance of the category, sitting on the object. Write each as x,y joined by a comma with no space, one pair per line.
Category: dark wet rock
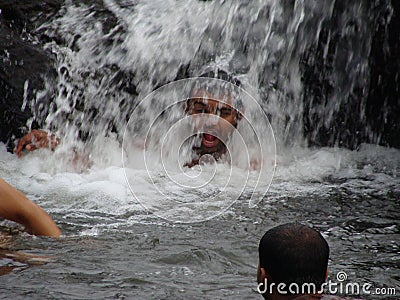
378,98
383,102
24,65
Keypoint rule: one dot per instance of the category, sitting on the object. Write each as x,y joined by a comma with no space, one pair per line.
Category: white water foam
101,192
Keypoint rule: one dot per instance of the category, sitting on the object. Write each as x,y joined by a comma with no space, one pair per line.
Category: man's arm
36,139
16,207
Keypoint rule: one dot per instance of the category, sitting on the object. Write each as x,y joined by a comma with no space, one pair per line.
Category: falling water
307,64
112,54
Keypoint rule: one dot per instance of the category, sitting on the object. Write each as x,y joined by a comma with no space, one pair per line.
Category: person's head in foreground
293,259
215,107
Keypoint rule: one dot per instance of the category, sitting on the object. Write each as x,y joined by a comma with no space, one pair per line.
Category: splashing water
115,53
111,55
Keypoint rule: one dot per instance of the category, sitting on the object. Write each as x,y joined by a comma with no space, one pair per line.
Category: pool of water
111,54
112,248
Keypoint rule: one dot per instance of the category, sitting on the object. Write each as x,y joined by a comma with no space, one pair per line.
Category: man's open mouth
209,140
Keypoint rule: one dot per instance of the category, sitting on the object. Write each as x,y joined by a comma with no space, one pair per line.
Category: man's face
213,117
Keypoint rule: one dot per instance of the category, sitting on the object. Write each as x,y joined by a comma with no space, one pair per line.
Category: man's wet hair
221,74
227,80
294,253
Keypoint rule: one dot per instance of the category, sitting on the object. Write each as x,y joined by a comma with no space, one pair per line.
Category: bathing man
16,207
214,109
293,262
215,113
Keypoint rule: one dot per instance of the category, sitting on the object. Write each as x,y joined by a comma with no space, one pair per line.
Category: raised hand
36,139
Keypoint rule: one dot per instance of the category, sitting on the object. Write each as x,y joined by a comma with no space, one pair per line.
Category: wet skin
214,118
36,139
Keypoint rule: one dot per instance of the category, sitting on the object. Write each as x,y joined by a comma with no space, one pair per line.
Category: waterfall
308,62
